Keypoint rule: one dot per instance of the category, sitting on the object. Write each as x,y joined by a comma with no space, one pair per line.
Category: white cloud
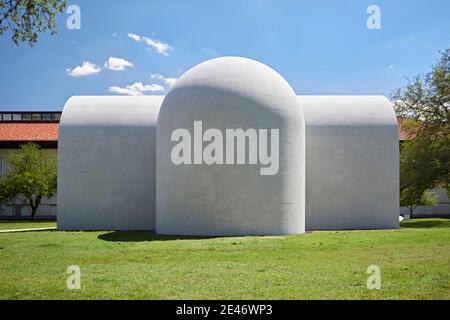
137,89
135,37
160,47
156,76
155,44
170,81
117,64
87,68
167,81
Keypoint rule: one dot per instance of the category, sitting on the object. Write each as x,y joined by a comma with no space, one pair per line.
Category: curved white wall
106,163
352,162
115,169
231,199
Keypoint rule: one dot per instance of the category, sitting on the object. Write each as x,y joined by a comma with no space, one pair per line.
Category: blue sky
320,47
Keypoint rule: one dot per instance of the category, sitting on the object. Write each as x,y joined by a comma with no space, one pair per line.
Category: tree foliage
31,178
425,159
27,18
418,171
427,99
427,198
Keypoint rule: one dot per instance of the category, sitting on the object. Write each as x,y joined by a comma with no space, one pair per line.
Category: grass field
14,224
414,262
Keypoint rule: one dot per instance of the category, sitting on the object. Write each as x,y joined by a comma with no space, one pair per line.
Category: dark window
4,166
30,116
47,116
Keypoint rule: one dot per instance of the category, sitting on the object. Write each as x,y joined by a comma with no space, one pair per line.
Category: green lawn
414,262
14,224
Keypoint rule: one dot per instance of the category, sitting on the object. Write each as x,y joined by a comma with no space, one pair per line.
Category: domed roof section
239,76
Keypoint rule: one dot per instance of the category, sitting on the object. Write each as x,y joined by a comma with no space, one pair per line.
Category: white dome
239,76
228,196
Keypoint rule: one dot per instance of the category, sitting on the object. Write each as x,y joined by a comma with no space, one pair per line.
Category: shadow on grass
141,236
425,223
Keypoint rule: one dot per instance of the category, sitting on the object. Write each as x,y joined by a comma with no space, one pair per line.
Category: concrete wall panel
106,163
201,199
352,162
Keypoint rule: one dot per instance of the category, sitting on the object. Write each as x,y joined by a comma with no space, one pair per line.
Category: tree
425,159
427,198
426,99
420,169
27,18
417,172
32,177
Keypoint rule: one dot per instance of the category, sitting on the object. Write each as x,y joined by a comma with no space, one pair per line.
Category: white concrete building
228,197
106,163
341,174
352,162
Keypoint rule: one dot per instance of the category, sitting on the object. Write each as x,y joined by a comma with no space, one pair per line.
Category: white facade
231,199
352,162
341,172
106,163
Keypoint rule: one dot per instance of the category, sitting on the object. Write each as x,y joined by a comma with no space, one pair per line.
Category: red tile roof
49,131
29,131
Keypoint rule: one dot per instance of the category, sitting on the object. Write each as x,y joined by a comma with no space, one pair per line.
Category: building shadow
425,224
142,236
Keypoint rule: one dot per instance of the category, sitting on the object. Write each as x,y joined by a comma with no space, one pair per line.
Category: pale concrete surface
352,162
108,166
28,230
106,163
224,199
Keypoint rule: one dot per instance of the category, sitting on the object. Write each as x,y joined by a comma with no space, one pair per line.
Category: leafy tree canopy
32,176
427,99
425,106
27,18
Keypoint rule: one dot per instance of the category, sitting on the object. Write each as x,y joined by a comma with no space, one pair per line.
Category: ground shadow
425,224
141,236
